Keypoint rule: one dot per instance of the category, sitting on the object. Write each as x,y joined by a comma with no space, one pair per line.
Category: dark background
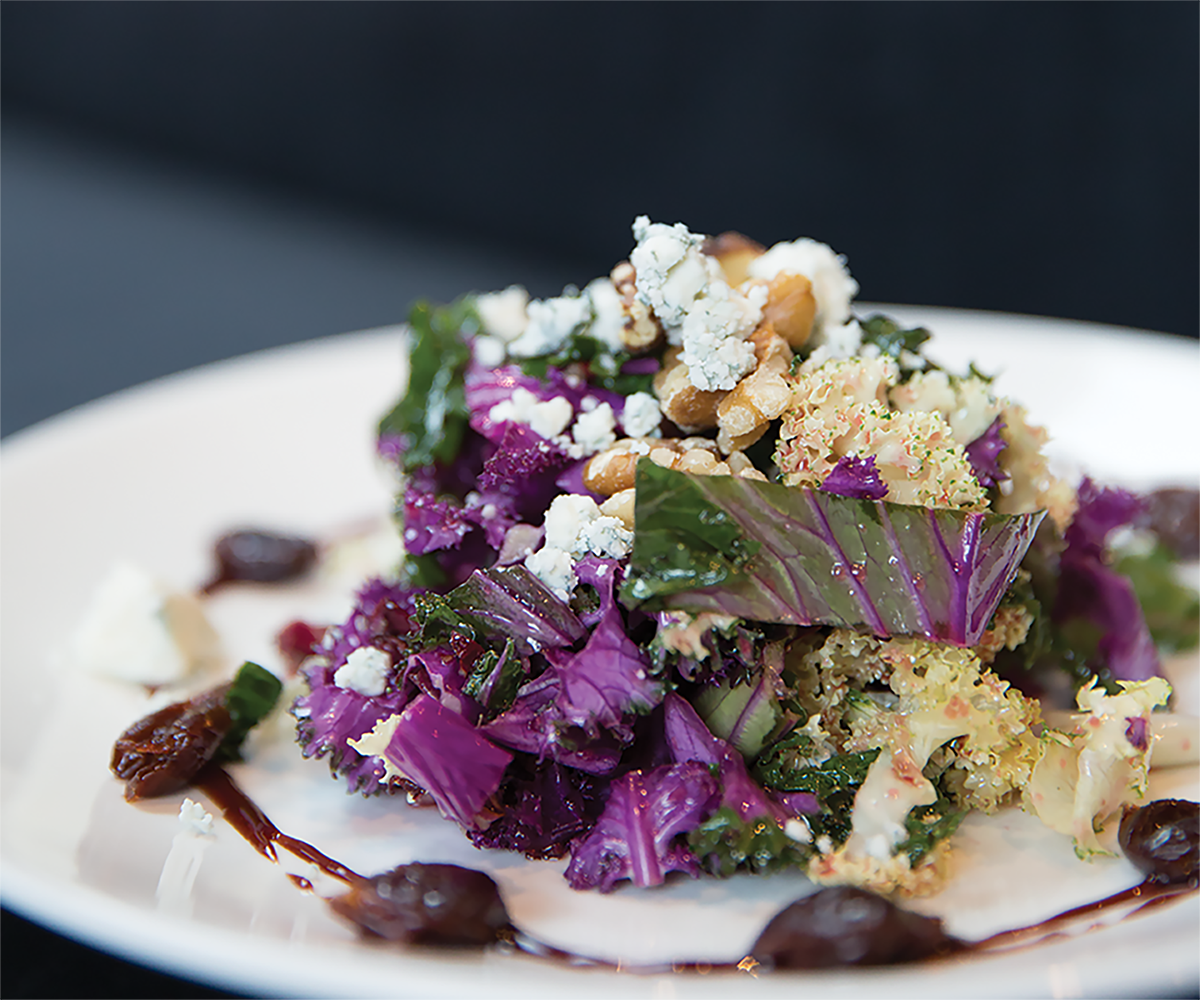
185,182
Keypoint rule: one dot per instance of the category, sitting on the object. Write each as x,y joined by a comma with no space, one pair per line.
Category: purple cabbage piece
855,477
606,681
1136,732
984,455
690,740
1091,589
601,574
523,468
635,837
544,811
892,569
570,480
448,757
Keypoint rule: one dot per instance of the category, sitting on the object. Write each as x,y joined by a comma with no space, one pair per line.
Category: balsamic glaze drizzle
252,823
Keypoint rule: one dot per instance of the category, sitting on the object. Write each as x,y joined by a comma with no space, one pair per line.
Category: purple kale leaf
690,740
1089,588
543,810
804,557
855,477
580,710
984,455
637,835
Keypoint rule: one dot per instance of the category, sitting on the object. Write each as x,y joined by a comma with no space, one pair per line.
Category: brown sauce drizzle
252,823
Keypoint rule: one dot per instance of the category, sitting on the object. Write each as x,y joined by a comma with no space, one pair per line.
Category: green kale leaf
432,415
1172,610
683,540
725,843
251,696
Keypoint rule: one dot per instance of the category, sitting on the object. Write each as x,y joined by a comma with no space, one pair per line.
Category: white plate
285,439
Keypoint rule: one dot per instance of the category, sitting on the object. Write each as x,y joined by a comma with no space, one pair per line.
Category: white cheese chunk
594,431
555,568
641,415
502,314
608,313
138,629
671,272
366,671
551,322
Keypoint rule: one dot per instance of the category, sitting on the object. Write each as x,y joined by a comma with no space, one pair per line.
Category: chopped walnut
733,252
689,408
613,469
620,505
744,414
642,329
791,307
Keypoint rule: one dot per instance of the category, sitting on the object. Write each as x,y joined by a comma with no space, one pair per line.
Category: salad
707,572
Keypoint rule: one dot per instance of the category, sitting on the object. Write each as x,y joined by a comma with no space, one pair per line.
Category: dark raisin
261,557
427,904
845,925
1174,515
163,752
1162,839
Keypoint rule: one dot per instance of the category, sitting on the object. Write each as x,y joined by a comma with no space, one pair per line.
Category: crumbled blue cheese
608,313
698,309
138,629
641,415
549,417
832,286
555,568
715,350
671,270
594,430
551,322
366,671
575,527
503,314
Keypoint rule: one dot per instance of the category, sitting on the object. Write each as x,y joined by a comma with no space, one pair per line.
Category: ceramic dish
284,439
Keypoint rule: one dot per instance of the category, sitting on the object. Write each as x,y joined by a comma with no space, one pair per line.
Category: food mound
707,573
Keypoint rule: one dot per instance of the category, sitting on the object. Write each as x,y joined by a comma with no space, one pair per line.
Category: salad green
705,573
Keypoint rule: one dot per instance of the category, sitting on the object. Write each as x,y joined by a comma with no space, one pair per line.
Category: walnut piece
744,415
790,307
733,252
642,329
689,408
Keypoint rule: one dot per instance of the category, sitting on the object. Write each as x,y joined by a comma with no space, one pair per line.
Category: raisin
428,904
164,752
261,557
1162,839
845,925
